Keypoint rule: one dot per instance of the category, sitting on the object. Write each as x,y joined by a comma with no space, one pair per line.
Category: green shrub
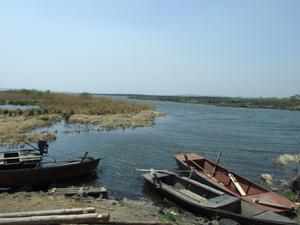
170,215
85,95
290,195
66,116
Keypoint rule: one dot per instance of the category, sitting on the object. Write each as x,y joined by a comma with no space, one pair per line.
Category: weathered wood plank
57,219
80,190
134,223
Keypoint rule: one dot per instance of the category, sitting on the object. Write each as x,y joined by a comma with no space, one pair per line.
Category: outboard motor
43,147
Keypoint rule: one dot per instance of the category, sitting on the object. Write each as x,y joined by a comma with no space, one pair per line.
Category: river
250,139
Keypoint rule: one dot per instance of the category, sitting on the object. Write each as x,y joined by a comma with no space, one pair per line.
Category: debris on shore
284,159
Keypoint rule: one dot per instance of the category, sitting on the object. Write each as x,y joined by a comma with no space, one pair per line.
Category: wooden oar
237,184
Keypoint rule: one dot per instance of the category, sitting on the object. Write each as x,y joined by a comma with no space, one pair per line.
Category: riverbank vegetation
45,108
15,130
289,103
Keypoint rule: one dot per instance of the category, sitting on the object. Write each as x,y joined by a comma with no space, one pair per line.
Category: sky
162,47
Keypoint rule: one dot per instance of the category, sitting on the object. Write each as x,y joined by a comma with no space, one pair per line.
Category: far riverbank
289,103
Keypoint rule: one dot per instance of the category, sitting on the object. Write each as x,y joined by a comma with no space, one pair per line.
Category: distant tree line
289,103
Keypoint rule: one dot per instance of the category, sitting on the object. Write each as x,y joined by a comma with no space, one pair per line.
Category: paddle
232,177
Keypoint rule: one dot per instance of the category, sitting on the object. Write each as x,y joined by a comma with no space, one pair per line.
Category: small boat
24,158
205,200
223,179
48,172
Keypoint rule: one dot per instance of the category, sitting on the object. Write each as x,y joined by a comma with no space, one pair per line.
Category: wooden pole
187,161
49,212
91,218
217,162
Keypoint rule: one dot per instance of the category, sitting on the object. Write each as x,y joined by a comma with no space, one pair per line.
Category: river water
250,139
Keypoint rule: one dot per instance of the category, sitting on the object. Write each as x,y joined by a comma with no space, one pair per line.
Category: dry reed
15,130
140,119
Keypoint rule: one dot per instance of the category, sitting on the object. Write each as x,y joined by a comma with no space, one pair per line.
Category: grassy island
45,108
290,103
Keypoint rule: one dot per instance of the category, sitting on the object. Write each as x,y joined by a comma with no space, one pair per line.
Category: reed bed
17,125
68,104
16,130
125,120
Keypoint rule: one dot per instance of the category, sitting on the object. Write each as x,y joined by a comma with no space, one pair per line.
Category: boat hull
48,174
278,203
213,212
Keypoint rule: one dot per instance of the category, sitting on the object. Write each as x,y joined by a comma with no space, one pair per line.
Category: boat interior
237,184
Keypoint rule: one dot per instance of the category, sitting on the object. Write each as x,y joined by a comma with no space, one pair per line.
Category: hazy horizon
225,48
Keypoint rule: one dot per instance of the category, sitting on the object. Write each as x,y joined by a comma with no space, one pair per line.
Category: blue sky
224,48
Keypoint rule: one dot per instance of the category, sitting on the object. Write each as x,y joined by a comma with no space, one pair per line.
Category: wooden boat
205,200
218,177
48,172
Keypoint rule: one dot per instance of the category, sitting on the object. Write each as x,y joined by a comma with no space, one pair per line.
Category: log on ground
91,218
49,212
